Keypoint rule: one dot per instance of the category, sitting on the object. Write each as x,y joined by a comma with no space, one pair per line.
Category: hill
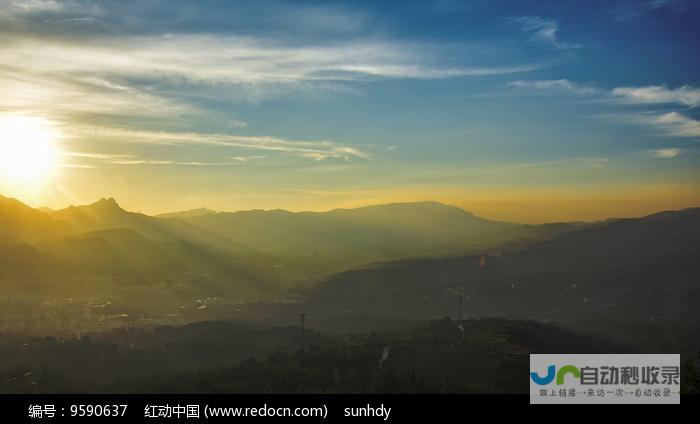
367,234
23,224
406,262
113,252
106,214
619,276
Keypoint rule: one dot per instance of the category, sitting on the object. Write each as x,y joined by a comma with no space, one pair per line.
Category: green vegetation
485,356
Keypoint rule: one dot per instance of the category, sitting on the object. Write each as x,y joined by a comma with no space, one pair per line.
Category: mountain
23,224
617,276
265,248
356,236
101,249
370,233
377,266
21,227
106,214
663,240
21,262
192,213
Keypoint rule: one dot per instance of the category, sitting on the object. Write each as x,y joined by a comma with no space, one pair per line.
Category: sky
527,111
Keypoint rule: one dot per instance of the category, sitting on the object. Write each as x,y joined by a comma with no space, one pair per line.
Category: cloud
127,159
46,93
665,153
216,59
541,31
673,123
168,162
98,156
585,161
160,75
235,123
685,95
557,86
11,8
314,149
247,158
677,124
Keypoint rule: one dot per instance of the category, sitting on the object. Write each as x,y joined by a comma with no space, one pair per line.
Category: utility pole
460,294
302,318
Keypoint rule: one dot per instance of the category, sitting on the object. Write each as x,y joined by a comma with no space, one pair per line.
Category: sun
29,153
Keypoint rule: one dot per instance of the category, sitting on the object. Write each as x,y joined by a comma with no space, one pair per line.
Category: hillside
615,275
369,233
637,268
113,252
23,224
281,248
479,356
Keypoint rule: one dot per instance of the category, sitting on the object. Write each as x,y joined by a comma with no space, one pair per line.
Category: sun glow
29,152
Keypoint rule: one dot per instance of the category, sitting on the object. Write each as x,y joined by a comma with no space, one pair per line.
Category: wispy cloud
685,95
672,123
168,162
50,94
247,158
11,8
98,156
127,159
669,153
235,123
133,76
313,149
654,94
555,86
677,124
216,59
542,31
596,162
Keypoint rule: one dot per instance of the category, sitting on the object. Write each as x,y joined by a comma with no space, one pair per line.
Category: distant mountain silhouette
258,251
365,269
368,234
192,213
372,233
22,224
619,274
281,247
106,214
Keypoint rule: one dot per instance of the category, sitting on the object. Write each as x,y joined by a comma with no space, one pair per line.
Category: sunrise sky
528,111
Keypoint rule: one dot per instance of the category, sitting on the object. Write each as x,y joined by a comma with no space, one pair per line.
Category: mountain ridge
271,248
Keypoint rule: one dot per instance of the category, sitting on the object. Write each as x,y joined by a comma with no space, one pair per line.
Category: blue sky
524,110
